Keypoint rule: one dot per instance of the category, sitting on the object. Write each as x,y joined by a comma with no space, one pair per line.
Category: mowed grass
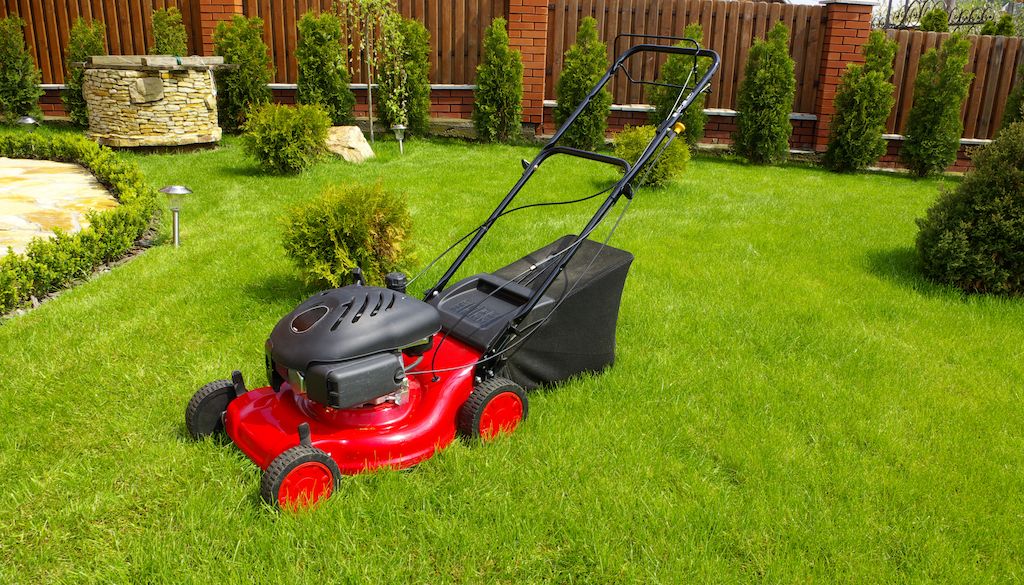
791,402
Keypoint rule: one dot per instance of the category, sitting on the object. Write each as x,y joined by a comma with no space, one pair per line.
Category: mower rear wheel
495,406
203,416
299,477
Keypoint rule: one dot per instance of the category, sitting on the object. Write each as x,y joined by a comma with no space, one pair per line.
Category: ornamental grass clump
630,144
19,77
85,40
403,94
323,67
973,236
676,71
349,226
286,139
765,100
862,105
498,110
169,36
240,42
934,127
585,62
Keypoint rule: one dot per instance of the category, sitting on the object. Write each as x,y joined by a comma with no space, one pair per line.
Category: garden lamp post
399,130
28,122
175,195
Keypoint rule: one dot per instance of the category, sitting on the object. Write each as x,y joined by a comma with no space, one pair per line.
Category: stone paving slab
37,196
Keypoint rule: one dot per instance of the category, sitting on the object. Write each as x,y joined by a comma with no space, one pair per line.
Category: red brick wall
210,13
846,30
527,32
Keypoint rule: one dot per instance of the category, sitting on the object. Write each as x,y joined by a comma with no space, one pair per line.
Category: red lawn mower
362,377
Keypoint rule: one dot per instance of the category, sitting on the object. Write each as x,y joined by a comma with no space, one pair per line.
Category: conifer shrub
240,42
933,126
323,67
1002,27
765,100
403,95
630,144
863,102
286,139
498,110
19,77
169,36
348,226
85,40
935,20
675,71
973,236
1014,107
584,64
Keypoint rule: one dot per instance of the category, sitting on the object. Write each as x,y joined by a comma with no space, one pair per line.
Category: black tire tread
283,464
199,400
468,420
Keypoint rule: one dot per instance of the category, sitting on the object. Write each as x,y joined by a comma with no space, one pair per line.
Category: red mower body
264,423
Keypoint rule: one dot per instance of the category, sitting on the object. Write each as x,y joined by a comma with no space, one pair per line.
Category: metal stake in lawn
175,194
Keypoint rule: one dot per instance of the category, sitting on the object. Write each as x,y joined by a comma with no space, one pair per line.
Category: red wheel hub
306,484
502,414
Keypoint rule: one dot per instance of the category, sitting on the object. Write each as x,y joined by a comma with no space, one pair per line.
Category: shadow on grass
280,289
901,266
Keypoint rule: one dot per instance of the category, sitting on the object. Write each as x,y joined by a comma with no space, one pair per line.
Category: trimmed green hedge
51,264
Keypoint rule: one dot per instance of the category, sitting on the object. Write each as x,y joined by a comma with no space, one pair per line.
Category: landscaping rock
146,89
348,143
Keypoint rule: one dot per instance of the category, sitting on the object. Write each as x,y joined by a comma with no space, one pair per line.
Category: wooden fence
994,61
128,22
456,33
729,28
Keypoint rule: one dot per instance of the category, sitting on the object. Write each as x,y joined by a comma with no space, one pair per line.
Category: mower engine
343,347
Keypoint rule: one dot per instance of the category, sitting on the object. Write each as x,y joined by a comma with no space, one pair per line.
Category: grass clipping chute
348,226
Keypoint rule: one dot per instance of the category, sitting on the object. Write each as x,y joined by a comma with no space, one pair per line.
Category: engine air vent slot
302,322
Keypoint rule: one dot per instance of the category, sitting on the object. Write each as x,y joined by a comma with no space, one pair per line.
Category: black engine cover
342,346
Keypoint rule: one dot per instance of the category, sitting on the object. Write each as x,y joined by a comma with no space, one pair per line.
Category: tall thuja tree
85,40
403,79
766,99
240,42
934,127
585,62
863,103
19,77
169,35
935,20
323,70
498,112
677,71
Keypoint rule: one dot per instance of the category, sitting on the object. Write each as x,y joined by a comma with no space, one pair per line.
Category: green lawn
791,401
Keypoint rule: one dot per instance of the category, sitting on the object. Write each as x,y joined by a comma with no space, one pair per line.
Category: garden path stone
349,143
37,196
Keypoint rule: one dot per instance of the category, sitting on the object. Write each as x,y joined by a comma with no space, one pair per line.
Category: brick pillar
528,33
847,26
210,13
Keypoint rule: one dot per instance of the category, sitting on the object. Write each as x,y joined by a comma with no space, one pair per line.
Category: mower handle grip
595,156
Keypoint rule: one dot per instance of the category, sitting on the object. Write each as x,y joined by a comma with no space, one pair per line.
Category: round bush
286,139
973,237
630,144
348,226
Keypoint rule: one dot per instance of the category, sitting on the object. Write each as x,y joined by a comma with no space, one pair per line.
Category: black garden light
175,196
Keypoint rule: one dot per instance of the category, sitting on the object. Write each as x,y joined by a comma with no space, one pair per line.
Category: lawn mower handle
664,134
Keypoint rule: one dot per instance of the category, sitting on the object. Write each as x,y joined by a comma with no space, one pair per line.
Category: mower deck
264,423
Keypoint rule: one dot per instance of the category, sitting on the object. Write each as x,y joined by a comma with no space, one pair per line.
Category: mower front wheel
300,477
203,416
495,406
